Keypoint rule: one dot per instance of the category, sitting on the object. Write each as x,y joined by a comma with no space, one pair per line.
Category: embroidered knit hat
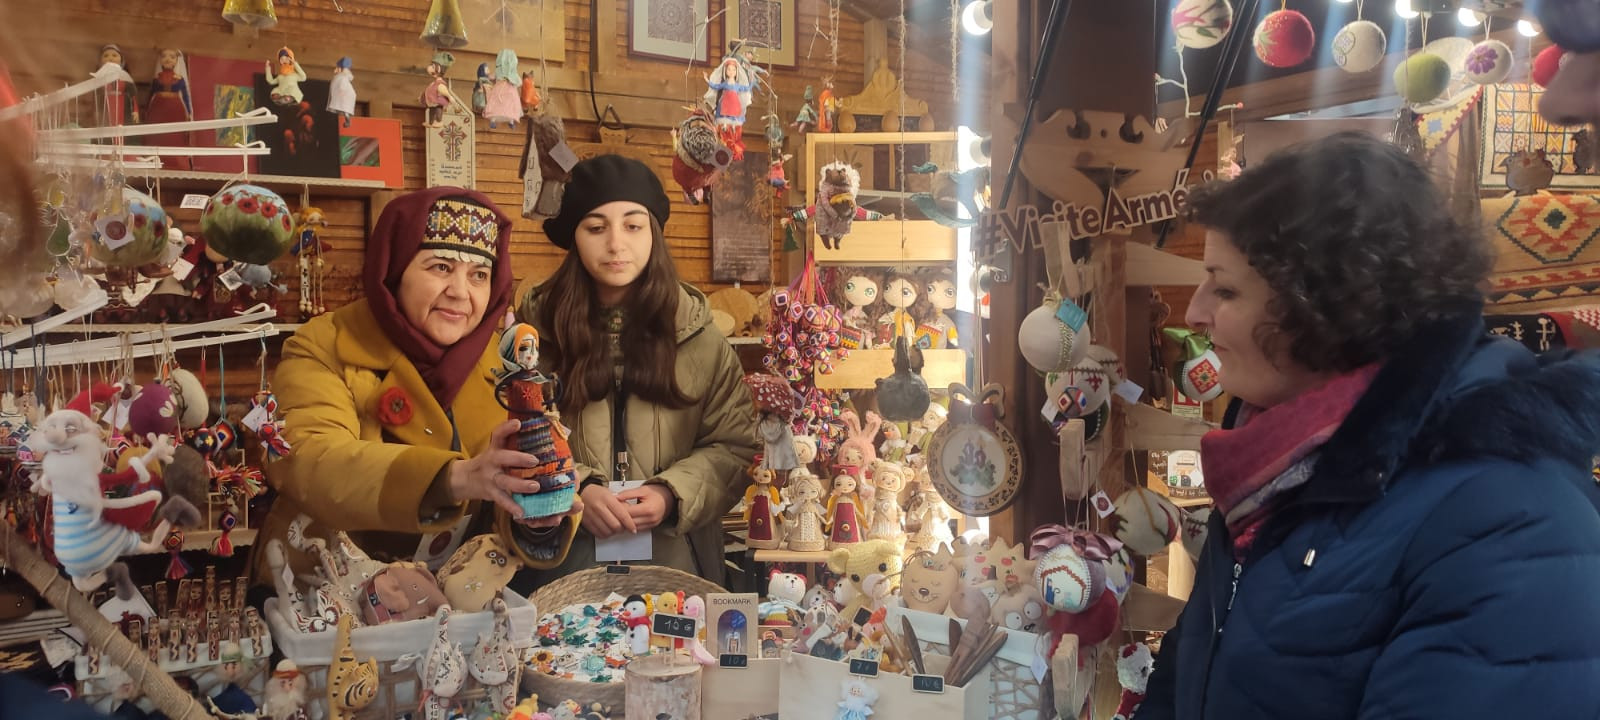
600,180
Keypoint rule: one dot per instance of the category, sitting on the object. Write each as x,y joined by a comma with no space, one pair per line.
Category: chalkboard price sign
865,668
863,616
731,660
927,684
617,569
677,626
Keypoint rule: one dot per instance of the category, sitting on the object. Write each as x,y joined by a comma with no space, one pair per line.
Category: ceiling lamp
1527,29
1403,9
978,17
1469,17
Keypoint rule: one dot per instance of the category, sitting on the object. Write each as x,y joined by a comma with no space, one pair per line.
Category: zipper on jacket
1234,588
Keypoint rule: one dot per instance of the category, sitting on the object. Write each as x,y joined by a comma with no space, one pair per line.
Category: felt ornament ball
247,223
189,396
1546,63
1422,77
1200,378
1067,580
1285,39
1200,24
1145,521
1489,62
1055,336
154,410
1359,46
130,234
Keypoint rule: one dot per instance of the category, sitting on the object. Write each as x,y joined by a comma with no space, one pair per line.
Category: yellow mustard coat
701,452
350,471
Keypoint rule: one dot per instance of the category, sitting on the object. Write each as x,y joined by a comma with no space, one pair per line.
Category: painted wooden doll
844,513
760,510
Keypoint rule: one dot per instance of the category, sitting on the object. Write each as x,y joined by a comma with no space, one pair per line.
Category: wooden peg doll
844,513
761,501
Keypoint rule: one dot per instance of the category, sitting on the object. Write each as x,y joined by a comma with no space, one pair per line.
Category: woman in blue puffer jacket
1406,524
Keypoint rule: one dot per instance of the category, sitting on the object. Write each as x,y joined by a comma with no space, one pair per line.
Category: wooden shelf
878,242
881,138
862,368
113,328
320,185
791,556
202,539
744,341
1191,502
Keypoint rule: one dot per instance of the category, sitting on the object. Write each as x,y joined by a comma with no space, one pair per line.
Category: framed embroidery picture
1518,142
766,27
668,29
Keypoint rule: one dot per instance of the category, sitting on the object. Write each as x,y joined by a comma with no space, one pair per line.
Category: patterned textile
1577,329
464,230
1546,250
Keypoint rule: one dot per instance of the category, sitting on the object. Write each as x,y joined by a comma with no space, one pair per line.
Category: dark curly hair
1357,243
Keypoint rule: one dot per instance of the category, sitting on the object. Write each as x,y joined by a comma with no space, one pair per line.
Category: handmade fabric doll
777,402
504,102
698,155
352,685
286,693
443,671
476,573
495,663
936,329
836,202
544,178
844,512
829,119
342,91
436,97
91,530
120,106
480,91
170,102
232,698
928,513
807,116
859,697
530,94
806,512
775,174
889,478
860,294
286,81
760,510
522,391
900,292
728,95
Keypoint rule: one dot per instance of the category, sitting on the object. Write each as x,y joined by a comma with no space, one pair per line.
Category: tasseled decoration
272,439
223,546
177,569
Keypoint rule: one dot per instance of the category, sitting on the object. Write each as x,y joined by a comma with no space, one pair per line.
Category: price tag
732,660
192,201
678,626
618,569
1102,504
927,684
181,269
58,649
256,418
1071,315
864,668
1129,390
564,156
231,279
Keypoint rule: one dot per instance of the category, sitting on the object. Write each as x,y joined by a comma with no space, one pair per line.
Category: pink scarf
1247,466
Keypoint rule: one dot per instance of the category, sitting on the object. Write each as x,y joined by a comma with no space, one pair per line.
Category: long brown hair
575,341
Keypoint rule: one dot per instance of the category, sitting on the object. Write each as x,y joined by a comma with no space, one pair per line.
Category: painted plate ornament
973,459
131,233
1200,24
248,223
1199,368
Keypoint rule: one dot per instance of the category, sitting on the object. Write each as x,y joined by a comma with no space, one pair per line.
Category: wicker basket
592,586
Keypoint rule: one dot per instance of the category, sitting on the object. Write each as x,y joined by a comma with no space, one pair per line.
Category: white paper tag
58,649
1129,390
191,201
1040,666
563,155
231,279
1102,503
135,294
181,269
624,547
256,418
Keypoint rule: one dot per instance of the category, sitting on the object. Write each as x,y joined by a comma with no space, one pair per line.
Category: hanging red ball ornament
1547,63
1285,39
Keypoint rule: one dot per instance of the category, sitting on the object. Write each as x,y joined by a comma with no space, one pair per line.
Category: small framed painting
369,149
668,29
765,26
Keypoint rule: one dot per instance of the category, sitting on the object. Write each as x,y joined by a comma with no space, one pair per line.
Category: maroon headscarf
393,245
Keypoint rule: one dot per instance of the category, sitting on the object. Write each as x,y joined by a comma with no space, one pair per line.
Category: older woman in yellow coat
389,402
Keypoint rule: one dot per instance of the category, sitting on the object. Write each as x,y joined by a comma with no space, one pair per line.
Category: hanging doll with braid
523,393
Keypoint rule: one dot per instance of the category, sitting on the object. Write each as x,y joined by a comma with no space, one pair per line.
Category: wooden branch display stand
662,684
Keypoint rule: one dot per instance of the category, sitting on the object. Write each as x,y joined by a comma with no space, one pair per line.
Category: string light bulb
1403,9
1526,29
977,18
1468,17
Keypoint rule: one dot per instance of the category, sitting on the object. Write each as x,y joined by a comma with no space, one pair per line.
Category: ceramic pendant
973,458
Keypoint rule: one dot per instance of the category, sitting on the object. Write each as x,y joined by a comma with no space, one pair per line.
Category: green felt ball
130,233
1422,77
248,223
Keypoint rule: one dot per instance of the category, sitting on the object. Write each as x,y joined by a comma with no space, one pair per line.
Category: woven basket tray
592,586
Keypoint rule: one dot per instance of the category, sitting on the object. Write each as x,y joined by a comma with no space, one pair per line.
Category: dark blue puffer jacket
1442,562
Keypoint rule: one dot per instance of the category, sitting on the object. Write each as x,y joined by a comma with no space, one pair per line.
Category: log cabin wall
52,43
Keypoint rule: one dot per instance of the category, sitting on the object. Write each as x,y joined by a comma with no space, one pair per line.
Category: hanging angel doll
286,81
120,107
505,102
170,102
342,91
729,95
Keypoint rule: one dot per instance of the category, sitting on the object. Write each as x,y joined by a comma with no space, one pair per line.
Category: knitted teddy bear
870,571
1134,663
